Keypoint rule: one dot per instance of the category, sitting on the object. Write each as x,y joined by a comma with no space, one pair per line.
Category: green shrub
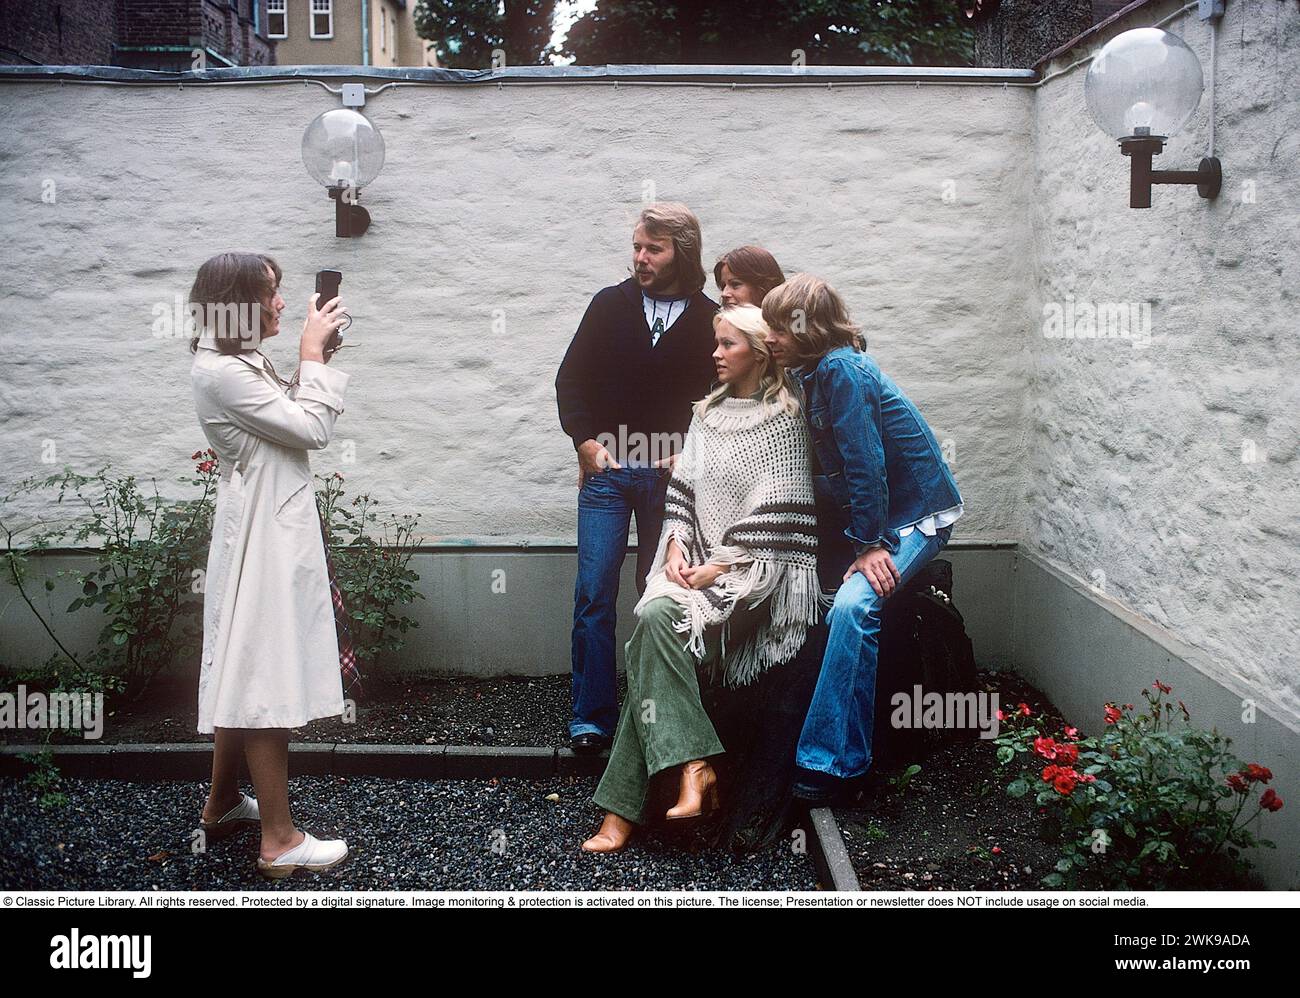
1152,802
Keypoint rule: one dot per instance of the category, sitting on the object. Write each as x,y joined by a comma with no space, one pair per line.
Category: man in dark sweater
642,355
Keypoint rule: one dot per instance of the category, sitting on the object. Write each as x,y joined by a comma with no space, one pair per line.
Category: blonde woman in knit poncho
733,587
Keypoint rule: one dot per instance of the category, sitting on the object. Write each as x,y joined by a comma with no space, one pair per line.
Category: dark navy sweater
612,379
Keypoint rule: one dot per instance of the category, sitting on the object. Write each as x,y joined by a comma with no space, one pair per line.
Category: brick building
144,34
193,34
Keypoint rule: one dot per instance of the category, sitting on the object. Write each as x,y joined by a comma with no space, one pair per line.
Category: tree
465,33
769,32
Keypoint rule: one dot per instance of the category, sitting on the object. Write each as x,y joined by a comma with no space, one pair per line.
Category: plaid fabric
348,665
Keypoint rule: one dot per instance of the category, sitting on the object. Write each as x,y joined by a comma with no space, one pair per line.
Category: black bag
923,642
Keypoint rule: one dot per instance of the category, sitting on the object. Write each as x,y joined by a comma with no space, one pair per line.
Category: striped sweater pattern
741,496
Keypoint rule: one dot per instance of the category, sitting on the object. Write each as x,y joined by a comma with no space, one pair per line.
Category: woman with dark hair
745,275
270,651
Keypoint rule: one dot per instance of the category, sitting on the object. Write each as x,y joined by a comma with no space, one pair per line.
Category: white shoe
242,815
311,854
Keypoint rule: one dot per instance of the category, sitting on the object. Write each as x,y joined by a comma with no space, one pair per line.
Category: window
322,18
277,19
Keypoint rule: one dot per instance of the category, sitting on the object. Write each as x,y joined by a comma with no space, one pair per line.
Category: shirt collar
662,298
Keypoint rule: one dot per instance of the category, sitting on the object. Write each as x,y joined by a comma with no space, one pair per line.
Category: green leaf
1053,880
1018,788
1005,754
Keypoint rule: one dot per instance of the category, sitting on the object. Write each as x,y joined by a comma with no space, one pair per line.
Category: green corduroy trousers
663,723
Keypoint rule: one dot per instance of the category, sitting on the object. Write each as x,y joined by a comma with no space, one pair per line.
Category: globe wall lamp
1141,88
344,152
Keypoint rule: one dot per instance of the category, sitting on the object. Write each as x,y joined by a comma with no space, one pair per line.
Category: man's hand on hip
592,460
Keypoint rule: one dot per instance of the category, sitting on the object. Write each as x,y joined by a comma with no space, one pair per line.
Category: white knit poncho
741,495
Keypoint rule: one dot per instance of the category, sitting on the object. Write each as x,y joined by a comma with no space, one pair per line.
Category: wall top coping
666,74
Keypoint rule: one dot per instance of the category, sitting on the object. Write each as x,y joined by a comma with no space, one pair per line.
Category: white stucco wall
1140,474
520,200
948,215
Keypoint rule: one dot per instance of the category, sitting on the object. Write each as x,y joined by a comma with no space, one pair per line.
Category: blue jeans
836,736
606,504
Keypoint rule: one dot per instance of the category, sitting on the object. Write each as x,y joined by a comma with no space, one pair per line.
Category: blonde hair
748,321
674,220
814,314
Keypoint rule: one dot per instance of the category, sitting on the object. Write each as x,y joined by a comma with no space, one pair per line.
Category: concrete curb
829,853
193,761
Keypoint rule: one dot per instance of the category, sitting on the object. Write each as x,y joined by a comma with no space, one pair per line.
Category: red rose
1257,773
1002,715
1112,714
1024,710
996,850
1270,801
1065,781
1045,747
1072,733
1162,687
1087,778
1067,753
1049,773
196,455
1238,783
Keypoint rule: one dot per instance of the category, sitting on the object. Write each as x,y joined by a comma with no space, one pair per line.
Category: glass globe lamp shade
1144,83
341,148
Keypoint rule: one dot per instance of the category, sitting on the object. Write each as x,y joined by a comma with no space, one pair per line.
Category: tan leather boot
613,835
698,795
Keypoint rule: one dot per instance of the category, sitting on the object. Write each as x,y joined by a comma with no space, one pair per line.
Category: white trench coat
270,651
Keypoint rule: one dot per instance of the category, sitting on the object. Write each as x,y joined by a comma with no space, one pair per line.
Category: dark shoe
817,789
589,743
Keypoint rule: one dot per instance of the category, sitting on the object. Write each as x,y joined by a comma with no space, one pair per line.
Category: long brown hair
228,281
814,314
674,220
753,265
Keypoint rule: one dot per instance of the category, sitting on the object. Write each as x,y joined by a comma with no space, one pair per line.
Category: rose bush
1152,802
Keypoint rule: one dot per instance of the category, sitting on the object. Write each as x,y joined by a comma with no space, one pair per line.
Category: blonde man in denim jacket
881,468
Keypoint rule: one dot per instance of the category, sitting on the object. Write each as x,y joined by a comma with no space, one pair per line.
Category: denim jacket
879,459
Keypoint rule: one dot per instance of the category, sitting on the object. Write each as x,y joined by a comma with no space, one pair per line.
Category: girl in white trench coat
270,651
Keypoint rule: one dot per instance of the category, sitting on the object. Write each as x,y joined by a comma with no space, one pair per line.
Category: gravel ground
435,710
939,832
403,835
